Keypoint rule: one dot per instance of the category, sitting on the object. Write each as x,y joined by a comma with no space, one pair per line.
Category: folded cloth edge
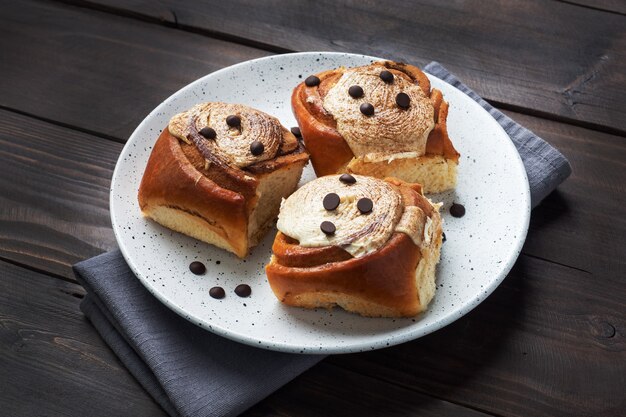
140,362
125,353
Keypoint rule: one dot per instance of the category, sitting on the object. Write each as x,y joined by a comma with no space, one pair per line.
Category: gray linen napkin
191,372
188,370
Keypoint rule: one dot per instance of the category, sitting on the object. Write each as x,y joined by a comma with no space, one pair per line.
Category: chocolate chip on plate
367,109
296,132
457,210
208,132
331,201
355,91
243,290
443,236
217,292
347,179
386,76
365,205
312,81
403,100
233,121
257,148
328,227
197,268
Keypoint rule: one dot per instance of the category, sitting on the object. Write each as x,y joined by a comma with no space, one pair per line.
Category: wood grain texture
547,342
550,341
55,211
54,194
567,319
59,366
549,58
580,224
615,6
53,362
95,71
329,390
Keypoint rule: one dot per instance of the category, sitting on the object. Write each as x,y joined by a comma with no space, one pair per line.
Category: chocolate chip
386,76
347,179
296,132
257,148
312,81
443,236
367,109
331,201
217,292
233,121
243,290
355,91
328,228
457,210
208,133
197,268
403,100
365,205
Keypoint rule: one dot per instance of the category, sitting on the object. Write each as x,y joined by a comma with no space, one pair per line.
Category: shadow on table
445,363
554,208
472,361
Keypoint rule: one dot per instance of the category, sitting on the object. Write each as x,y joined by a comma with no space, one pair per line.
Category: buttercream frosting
231,144
391,130
359,234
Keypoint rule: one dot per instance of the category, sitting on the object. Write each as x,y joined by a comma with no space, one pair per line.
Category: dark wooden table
76,77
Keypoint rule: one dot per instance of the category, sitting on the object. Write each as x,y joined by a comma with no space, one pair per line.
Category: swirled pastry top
232,144
358,233
391,129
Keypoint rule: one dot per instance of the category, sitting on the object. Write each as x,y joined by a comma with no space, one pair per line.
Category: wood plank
329,390
54,186
580,225
95,71
58,363
529,349
531,54
53,361
543,309
567,323
550,341
54,194
547,341
562,214
616,6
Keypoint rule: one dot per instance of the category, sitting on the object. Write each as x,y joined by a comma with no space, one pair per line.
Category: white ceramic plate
480,250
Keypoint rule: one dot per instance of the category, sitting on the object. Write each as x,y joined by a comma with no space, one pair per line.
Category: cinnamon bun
367,245
380,120
218,172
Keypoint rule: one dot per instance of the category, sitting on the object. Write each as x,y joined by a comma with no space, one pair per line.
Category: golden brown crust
329,151
171,180
382,283
439,142
177,177
386,277
289,253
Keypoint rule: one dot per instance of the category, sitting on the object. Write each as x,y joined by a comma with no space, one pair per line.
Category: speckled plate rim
400,336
